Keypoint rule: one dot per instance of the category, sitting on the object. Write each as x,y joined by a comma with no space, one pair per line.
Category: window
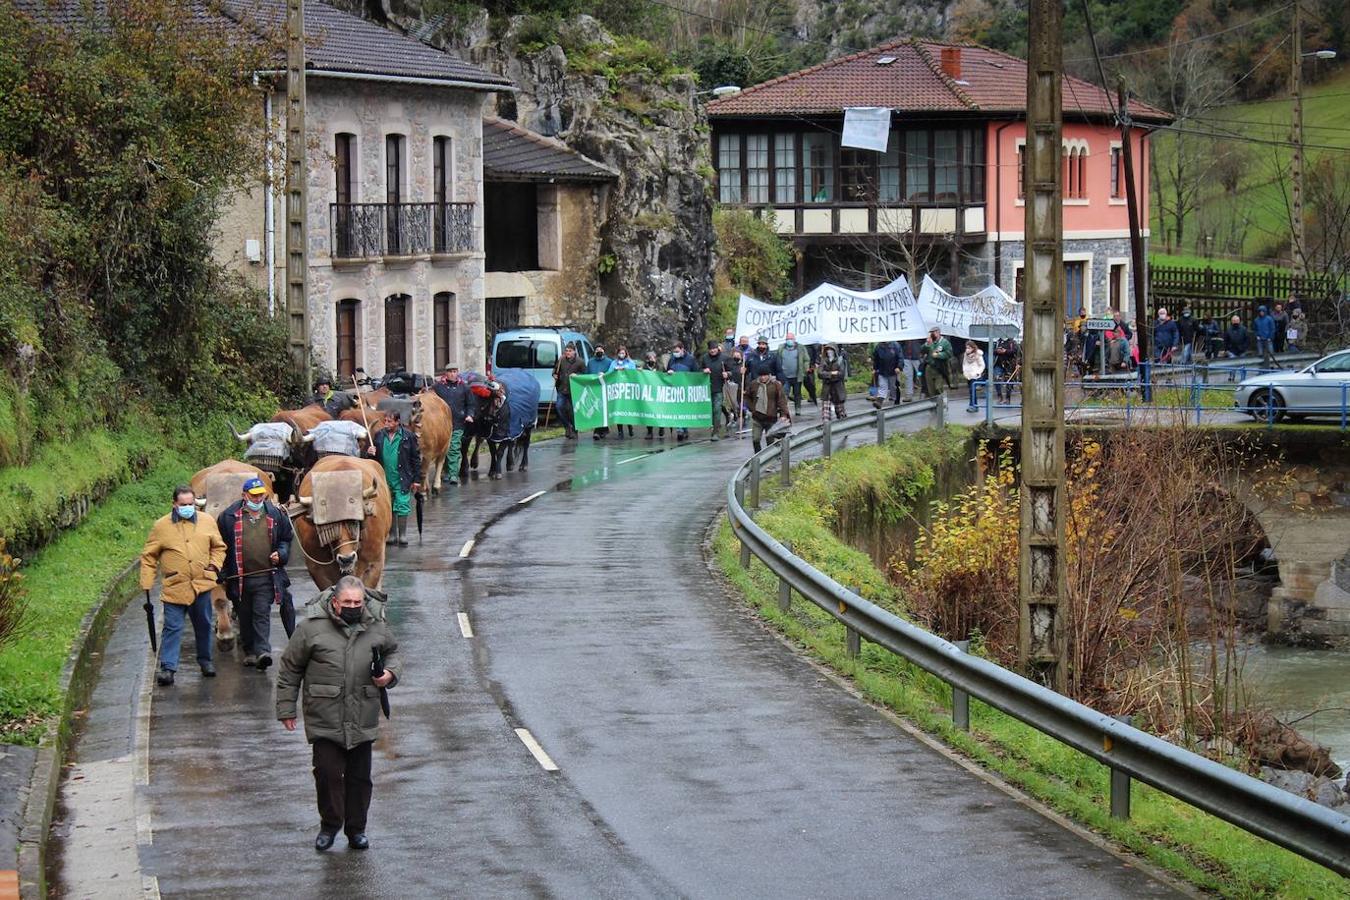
1074,288
1115,174
502,313
344,146
784,168
918,185
393,191
1021,171
523,353
818,157
856,181
510,226
346,339
757,168
729,168
972,161
890,170
1020,284
1117,286
443,326
944,165
440,169
1082,173
396,333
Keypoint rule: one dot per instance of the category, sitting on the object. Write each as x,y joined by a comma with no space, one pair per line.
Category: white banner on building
834,315
954,315
867,127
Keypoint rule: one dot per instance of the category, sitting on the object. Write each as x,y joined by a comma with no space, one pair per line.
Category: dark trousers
255,614
810,384
793,388
342,783
565,413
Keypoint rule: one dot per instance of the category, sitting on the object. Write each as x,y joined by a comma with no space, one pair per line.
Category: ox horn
306,438
305,501
369,492
201,503
235,431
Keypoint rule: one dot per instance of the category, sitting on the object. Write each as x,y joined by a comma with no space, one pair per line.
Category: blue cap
255,486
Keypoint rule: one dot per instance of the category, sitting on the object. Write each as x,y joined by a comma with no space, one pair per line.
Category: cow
433,425
348,546
209,485
304,418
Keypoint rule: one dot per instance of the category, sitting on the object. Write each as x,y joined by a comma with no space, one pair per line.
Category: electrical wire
1203,37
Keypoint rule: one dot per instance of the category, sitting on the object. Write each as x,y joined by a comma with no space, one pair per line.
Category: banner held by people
835,315
641,397
954,315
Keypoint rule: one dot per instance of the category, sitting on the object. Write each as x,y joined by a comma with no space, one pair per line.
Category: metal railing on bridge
365,230
1312,831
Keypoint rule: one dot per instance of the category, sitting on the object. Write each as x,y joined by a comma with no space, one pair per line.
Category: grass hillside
1252,220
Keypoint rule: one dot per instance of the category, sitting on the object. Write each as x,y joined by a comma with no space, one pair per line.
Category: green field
1253,220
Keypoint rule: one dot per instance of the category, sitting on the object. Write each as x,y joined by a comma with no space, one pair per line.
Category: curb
77,681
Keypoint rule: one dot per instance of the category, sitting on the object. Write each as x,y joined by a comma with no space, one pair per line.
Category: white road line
464,627
633,459
534,496
466,549
536,751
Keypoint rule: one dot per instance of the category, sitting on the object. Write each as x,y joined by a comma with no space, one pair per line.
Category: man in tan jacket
188,549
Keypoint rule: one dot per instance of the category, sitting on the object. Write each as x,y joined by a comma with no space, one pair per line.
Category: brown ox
213,505
304,418
433,428
353,547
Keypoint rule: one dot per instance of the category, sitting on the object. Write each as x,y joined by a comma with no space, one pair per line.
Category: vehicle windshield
1339,362
524,353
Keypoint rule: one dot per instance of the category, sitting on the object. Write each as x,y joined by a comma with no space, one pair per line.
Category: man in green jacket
937,355
332,652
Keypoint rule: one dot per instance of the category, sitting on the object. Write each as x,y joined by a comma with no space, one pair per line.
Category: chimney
951,62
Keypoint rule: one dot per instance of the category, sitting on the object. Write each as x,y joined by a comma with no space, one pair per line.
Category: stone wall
1099,254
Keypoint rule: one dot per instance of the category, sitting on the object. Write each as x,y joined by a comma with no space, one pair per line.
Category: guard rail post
1120,786
961,699
785,459
785,589
852,639
754,481
881,423
826,439
940,410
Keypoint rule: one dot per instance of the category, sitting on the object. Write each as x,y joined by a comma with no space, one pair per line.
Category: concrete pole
297,196
1296,152
1041,582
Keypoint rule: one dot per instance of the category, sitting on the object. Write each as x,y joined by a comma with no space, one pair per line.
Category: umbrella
418,498
376,670
150,622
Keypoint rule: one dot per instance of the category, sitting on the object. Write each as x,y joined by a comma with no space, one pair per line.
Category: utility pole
297,196
1041,557
1296,154
1136,234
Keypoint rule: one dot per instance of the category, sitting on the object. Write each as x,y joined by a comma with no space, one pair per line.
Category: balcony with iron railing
380,230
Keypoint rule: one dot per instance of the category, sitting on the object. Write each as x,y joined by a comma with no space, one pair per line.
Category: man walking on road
257,539
761,360
568,366
937,354
680,361
886,365
395,448
768,405
793,361
187,548
345,655
452,389
715,364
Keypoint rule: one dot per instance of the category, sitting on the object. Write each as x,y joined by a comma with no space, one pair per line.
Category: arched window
396,333
443,327
1082,173
348,312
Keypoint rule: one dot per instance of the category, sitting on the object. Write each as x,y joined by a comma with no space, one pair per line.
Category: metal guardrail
1312,831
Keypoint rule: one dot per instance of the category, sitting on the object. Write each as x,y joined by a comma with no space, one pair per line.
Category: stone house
945,197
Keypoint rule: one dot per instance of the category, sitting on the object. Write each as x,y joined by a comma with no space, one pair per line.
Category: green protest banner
640,397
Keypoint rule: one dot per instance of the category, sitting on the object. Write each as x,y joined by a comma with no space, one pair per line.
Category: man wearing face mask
681,361
793,362
187,549
257,537
623,361
728,343
600,364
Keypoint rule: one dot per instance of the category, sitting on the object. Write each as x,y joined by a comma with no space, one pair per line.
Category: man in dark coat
886,368
569,365
332,654
681,361
715,362
257,537
1188,328
768,404
761,360
453,390
395,448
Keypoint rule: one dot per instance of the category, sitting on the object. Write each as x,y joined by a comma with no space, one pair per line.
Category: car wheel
1265,406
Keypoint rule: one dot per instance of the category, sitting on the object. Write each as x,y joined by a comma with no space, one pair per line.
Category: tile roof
913,81
336,41
516,153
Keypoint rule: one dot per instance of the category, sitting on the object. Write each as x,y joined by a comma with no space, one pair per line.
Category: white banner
866,127
954,315
834,315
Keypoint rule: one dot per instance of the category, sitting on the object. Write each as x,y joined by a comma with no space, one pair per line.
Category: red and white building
946,195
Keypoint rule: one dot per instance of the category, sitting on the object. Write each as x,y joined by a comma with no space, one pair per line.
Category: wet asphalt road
697,756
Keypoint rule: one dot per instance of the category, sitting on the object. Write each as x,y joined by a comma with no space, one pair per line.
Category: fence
1312,831
1221,293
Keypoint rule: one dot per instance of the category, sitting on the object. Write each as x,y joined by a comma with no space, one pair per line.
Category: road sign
989,332
1099,324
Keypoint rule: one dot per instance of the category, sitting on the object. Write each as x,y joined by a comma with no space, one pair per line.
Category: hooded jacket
1166,335
831,373
1264,326
331,659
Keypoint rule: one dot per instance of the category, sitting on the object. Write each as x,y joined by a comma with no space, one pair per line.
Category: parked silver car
1319,389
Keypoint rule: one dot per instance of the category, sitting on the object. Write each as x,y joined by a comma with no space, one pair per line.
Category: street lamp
1298,258
1321,54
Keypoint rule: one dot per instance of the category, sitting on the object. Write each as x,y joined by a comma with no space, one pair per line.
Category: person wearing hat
325,396
937,354
761,360
568,366
395,447
455,392
258,536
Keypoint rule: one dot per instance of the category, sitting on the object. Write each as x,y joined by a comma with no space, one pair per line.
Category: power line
1194,40
1234,136
1278,126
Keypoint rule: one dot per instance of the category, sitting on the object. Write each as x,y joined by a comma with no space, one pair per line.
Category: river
1294,682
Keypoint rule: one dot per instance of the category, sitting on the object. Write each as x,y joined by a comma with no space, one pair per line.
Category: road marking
464,627
536,751
466,549
633,459
534,496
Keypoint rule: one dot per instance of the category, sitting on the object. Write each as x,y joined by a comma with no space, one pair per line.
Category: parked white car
1319,389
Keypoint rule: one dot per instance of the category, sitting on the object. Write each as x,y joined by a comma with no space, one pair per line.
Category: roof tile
513,152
